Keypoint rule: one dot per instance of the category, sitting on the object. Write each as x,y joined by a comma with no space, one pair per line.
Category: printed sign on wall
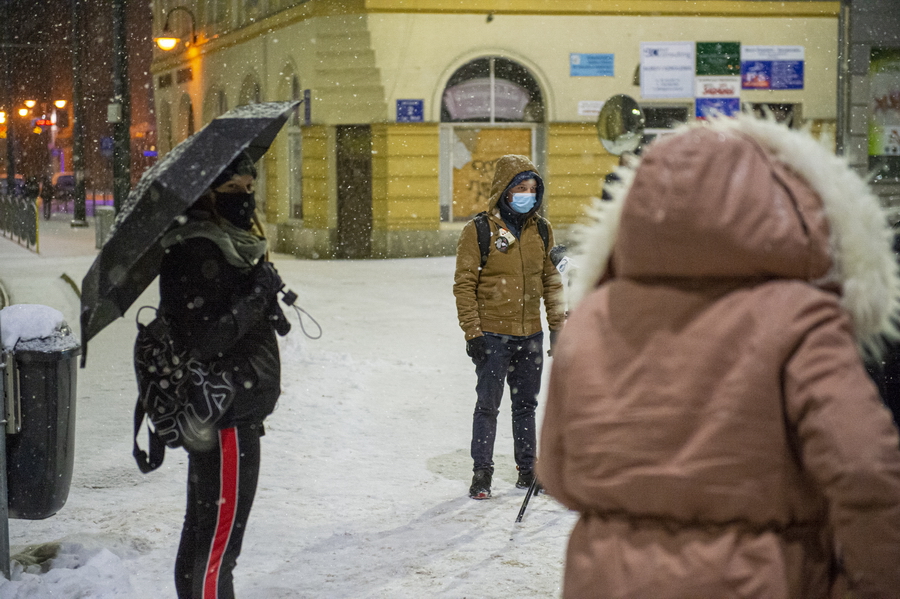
667,70
410,111
772,67
718,58
717,96
591,65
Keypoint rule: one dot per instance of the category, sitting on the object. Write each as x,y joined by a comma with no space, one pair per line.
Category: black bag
181,397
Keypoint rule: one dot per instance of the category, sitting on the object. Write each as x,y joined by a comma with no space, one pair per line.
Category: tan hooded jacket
708,412
505,296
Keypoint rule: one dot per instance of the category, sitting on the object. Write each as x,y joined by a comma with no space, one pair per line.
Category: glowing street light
167,41
30,103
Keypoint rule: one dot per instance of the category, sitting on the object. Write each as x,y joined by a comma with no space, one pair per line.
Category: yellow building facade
411,101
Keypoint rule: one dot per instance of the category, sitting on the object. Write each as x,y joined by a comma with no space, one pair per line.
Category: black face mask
236,208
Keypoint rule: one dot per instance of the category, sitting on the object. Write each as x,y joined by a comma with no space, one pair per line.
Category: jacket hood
748,198
506,170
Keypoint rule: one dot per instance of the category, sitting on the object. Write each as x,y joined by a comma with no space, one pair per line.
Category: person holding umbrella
219,293
191,220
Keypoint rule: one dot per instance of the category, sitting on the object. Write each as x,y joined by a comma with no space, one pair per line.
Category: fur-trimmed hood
747,198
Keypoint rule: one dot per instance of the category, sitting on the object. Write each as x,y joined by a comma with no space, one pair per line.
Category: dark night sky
43,70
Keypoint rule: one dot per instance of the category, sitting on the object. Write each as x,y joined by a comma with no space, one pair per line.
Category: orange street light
167,41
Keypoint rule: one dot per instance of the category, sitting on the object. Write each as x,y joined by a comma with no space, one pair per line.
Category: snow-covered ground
365,472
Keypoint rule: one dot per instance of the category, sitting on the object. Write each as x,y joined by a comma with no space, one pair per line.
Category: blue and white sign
667,70
591,65
713,107
772,67
410,111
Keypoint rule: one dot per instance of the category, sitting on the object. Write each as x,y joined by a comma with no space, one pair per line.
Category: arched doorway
490,106
185,119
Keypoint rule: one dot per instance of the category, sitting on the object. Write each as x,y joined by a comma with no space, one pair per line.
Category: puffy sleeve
554,300
848,443
465,281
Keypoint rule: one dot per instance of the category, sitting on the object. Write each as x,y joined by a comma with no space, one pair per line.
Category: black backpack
180,396
483,229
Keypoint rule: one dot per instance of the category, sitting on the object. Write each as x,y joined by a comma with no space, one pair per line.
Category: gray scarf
242,249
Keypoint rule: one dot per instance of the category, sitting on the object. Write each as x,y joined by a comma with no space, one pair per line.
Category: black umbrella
131,256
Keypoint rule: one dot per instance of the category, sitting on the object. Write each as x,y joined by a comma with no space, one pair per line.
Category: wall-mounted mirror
620,124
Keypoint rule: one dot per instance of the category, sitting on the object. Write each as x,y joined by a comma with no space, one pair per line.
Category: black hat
241,165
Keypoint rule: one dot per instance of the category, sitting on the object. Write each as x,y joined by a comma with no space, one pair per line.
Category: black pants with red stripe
220,490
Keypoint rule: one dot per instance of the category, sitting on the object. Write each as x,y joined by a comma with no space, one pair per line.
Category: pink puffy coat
708,412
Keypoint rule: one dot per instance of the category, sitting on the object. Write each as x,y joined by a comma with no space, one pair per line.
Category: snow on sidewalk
365,466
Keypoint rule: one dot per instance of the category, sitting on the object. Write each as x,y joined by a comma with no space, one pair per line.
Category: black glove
266,279
476,348
553,336
277,318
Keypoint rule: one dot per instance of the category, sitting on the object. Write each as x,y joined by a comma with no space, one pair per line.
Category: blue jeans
519,361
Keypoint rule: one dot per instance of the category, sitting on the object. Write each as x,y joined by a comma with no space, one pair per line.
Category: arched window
491,106
215,104
493,90
165,127
250,92
185,119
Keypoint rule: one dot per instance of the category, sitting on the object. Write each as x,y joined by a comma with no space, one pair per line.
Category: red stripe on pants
228,479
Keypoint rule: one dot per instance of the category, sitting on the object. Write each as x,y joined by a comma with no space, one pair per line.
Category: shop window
659,118
884,118
490,107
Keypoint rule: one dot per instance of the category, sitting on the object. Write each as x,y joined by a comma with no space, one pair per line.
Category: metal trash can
103,219
40,443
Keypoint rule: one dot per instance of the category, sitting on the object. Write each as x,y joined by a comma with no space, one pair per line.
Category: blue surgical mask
523,202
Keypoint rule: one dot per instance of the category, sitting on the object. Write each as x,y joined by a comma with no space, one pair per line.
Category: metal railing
19,220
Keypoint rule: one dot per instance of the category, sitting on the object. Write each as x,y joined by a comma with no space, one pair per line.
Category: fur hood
747,198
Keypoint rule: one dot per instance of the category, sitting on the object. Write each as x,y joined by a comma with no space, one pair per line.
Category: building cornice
699,8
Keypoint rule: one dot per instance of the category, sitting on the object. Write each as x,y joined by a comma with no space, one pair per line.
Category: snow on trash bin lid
35,327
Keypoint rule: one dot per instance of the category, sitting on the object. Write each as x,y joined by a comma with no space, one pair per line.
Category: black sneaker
526,477
481,485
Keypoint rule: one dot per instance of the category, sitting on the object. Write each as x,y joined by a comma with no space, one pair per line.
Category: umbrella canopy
131,257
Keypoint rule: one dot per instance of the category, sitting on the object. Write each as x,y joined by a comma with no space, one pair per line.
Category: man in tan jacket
498,285
708,412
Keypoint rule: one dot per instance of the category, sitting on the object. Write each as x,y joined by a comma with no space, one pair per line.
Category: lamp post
167,41
7,99
80,217
120,110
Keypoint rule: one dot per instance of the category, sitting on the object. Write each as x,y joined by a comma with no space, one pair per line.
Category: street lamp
167,41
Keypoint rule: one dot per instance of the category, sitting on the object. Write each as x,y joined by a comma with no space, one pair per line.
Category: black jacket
216,314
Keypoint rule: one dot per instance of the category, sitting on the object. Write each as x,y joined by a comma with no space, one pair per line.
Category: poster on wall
772,67
474,157
717,96
718,58
884,117
591,65
410,111
667,70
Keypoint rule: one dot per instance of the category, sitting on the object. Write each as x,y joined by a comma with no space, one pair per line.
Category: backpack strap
483,229
544,230
155,445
